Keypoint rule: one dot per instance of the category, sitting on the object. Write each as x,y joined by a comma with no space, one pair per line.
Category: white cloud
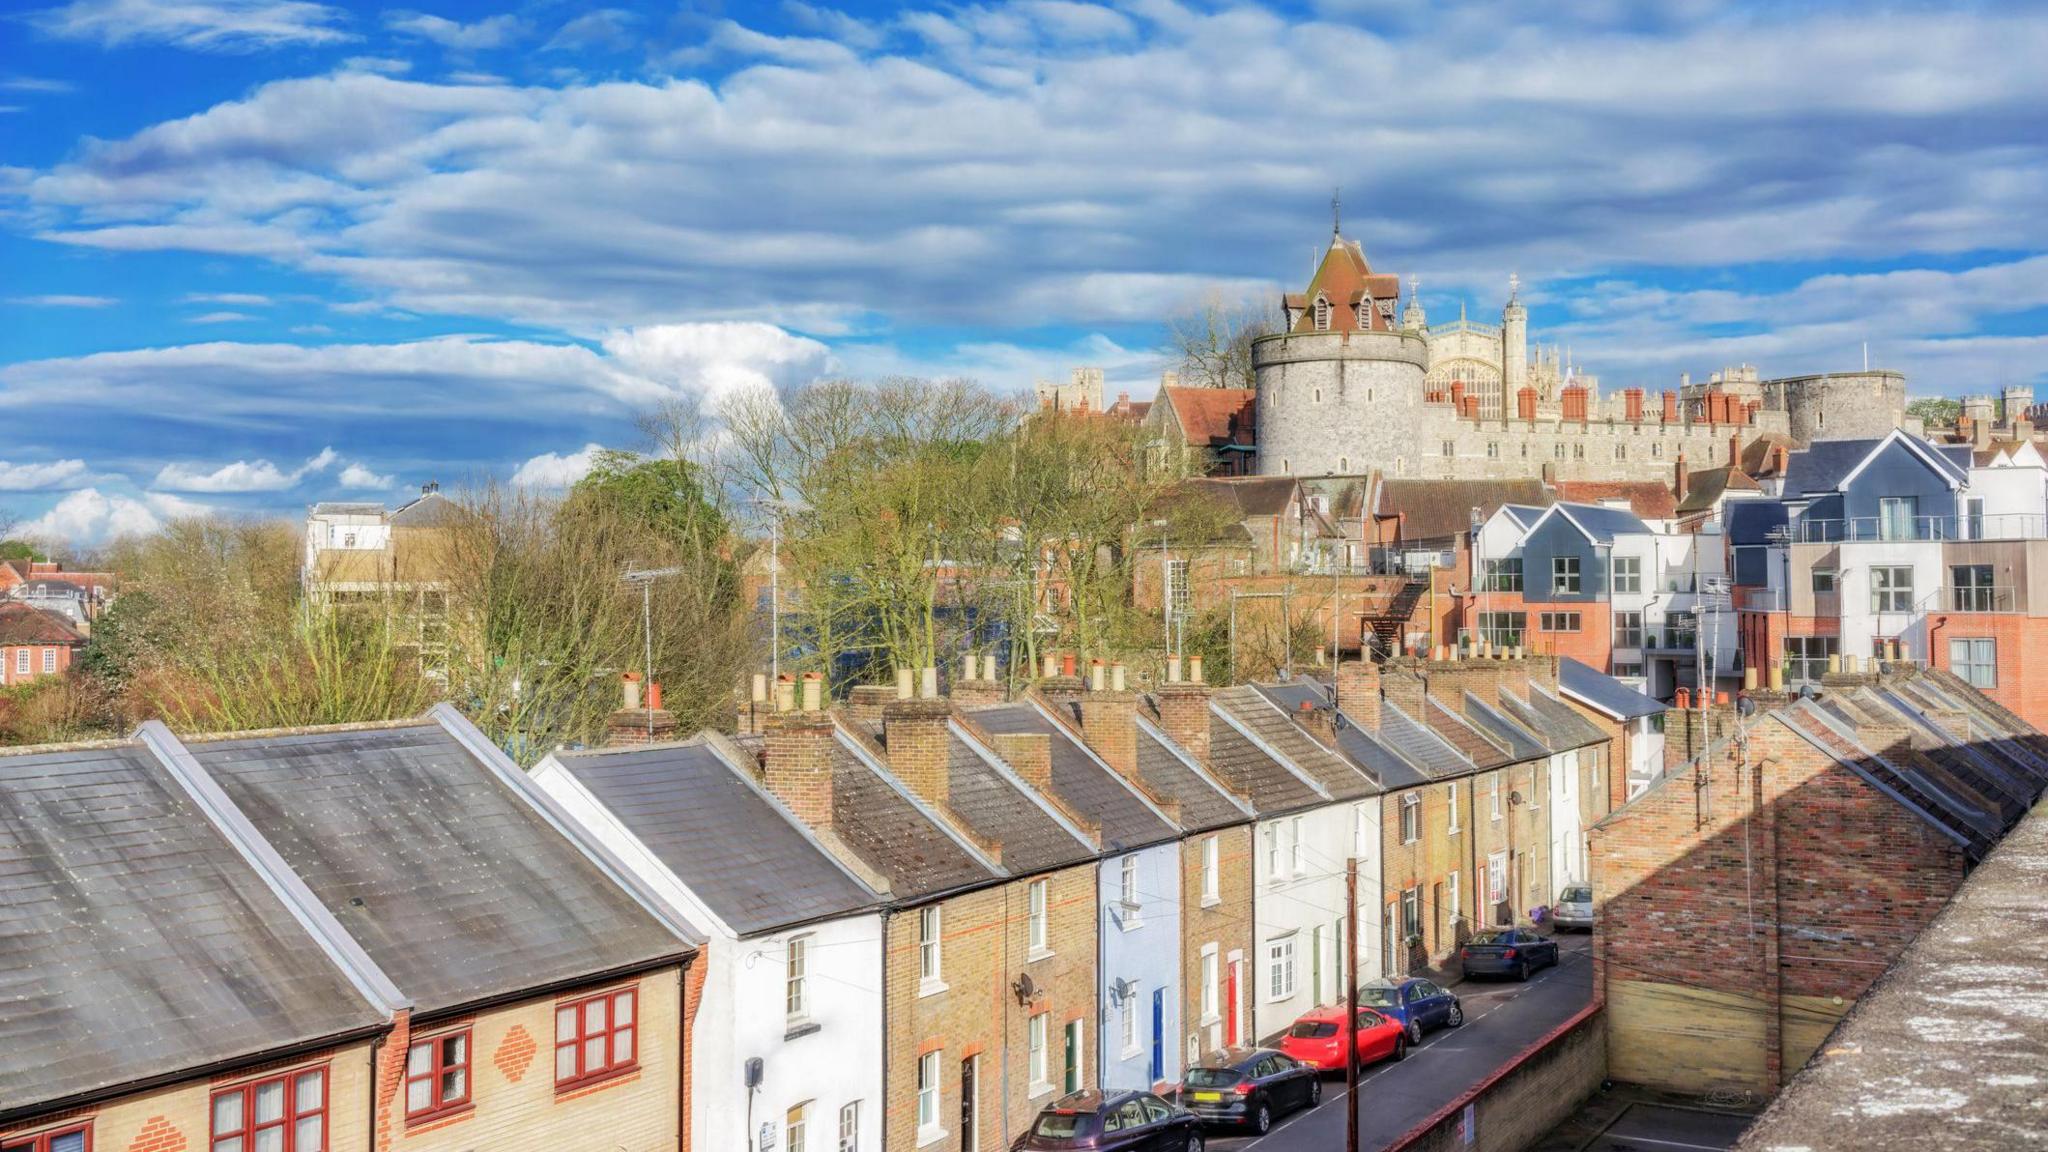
358,476
35,84
603,28
222,318
715,360
556,470
205,25
240,299
29,477
90,516
240,476
61,300
493,32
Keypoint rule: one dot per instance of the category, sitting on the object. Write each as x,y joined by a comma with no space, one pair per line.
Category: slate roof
135,941
1082,783
1705,488
896,835
1523,514
1253,708
458,888
1753,521
1381,764
1550,720
998,807
1596,689
26,624
1601,523
1521,744
1484,752
721,834
1250,495
1204,803
1272,787
431,510
1420,746
1444,507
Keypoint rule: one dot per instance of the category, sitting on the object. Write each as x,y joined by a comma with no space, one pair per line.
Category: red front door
1230,1021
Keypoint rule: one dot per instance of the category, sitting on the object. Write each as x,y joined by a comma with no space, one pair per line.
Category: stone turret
1412,318
1514,345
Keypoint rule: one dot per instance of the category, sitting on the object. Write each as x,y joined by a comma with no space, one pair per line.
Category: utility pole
1351,1004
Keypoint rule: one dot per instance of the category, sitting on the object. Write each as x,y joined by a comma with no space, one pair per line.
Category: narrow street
1501,1018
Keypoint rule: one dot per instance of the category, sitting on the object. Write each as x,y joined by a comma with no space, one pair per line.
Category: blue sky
255,253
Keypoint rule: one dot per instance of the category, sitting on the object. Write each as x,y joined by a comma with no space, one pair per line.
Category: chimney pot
1066,663
760,688
814,692
1095,675
988,667
785,693
967,666
930,686
1173,669
654,695
629,691
906,683
1052,666
1195,668
1116,677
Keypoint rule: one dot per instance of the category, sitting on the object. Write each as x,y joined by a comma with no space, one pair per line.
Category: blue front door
1158,1035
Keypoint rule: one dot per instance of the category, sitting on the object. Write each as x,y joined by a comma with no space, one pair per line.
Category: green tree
1936,411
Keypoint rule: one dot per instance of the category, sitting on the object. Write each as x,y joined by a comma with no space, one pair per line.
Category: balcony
1980,598
1996,526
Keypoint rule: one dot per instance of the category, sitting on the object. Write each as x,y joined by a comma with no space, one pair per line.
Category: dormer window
1322,313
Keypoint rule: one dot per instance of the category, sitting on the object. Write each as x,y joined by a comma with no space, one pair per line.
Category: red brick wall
9,656
2022,647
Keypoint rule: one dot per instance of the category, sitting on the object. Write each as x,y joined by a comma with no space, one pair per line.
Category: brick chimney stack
1402,684
1734,448
915,732
978,688
1184,709
1109,721
1682,480
797,765
1358,693
636,722
866,702
1060,686
1029,755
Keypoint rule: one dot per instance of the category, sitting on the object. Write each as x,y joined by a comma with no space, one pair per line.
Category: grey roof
1754,521
457,887
1886,1078
1524,514
895,834
1084,784
1420,746
1484,750
1602,523
1266,781
347,508
1438,508
1820,466
431,510
1550,720
1366,752
1596,689
1204,804
998,807
1521,744
135,940
720,834
1275,728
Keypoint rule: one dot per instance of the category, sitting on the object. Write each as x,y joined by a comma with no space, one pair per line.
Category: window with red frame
285,1113
594,1037
74,1139
437,1074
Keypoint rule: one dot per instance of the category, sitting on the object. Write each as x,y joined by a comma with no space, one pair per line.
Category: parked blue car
1507,952
1418,1004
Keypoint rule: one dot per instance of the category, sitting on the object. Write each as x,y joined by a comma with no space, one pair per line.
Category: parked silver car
1574,907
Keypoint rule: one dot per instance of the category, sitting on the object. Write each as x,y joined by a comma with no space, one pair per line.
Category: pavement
1632,1118
1501,1019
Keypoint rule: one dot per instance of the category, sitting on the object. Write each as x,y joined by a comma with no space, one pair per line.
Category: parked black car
1113,1121
1507,952
1249,1087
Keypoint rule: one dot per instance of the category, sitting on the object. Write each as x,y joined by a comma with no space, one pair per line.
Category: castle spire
1514,286
1337,211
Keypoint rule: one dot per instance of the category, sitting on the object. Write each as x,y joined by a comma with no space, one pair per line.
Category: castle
1356,382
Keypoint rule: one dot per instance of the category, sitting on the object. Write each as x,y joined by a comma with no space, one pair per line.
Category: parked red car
1316,1038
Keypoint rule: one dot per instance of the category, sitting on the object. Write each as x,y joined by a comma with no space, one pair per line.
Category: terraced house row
904,920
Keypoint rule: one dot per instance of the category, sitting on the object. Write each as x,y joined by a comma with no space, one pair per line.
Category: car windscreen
1382,997
1213,1077
1313,1030
1493,938
1065,1125
1576,896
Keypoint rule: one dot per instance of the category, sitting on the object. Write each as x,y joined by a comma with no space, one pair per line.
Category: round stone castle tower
1839,405
1340,391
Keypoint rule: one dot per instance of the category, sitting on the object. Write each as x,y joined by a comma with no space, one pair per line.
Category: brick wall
985,940
512,1077
1527,1097
2022,647
1695,877
10,661
1226,924
176,1118
1424,865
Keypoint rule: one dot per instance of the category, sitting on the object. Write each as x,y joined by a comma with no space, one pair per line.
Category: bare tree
1213,339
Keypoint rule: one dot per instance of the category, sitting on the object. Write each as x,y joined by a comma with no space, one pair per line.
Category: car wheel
1315,1093
1415,1031
1457,1017
1400,1048
1263,1122
1194,1142
1522,971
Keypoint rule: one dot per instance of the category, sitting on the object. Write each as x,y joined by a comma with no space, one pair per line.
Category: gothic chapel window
1322,314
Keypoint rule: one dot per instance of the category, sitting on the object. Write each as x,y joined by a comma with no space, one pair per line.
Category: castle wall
1839,405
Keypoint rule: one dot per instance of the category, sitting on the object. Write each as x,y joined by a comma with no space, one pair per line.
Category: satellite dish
1025,988
1121,989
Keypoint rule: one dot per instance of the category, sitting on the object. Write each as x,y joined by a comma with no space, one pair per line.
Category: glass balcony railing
1989,526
